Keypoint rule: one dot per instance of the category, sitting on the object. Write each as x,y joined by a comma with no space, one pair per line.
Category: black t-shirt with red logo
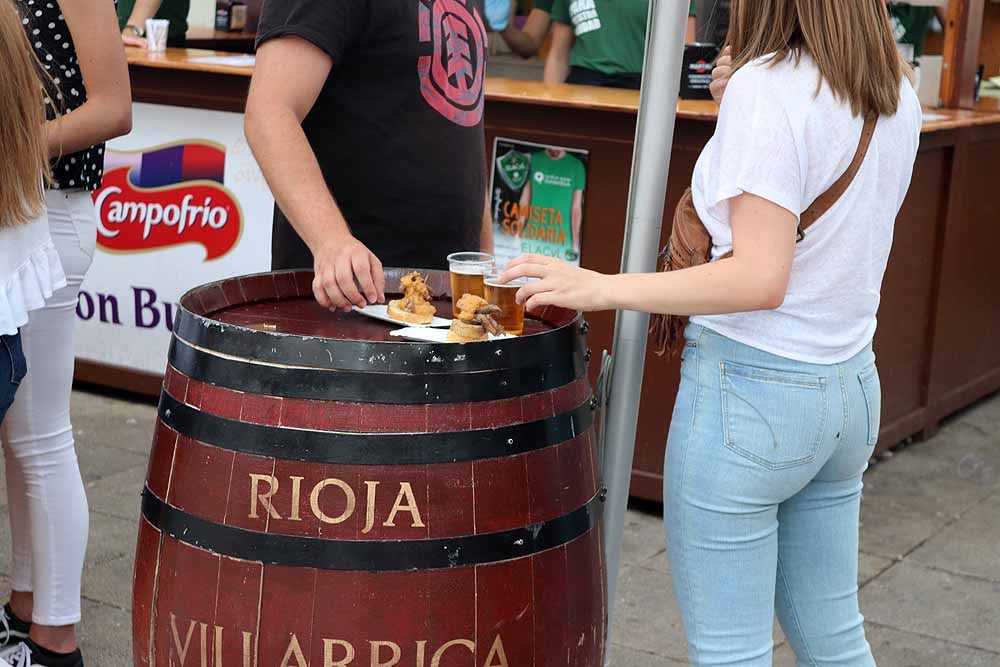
398,126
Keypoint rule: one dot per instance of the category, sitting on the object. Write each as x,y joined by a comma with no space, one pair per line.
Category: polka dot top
46,28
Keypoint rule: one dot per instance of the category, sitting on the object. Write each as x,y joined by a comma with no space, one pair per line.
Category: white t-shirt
780,140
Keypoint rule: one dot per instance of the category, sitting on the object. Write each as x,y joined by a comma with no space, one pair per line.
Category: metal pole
650,165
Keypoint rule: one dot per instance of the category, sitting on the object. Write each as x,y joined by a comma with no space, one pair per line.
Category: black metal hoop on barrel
370,555
400,388
350,448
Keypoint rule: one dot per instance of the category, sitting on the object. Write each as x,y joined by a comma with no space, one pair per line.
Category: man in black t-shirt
366,117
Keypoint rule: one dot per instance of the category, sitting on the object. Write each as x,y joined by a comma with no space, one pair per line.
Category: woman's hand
558,284
720,74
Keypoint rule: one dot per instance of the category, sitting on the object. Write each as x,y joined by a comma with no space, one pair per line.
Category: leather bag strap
833,194
826,200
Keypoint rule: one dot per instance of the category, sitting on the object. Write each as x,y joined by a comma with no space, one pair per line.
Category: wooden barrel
321,494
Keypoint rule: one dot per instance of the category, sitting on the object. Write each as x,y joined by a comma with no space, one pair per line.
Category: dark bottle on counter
230,15
699,59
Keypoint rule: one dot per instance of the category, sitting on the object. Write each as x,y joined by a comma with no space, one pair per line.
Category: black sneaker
29,654
12,629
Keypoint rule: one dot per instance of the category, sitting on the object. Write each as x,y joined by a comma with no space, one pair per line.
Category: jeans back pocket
774,418
871,387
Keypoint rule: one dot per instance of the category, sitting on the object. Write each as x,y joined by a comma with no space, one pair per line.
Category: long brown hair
851,42
22,137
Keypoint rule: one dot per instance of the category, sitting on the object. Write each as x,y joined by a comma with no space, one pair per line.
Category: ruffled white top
30,271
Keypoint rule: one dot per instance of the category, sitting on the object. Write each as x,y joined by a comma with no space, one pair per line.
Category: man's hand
347,274
720,74
129,38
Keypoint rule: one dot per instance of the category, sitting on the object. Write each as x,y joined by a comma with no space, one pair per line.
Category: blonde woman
87,81
779,403
29,266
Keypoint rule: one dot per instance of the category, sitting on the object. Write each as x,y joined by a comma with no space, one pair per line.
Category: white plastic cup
156,34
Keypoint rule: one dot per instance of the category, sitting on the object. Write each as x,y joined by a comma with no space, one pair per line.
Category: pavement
930,547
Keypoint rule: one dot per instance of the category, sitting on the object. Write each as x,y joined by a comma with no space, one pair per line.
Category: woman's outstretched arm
754,278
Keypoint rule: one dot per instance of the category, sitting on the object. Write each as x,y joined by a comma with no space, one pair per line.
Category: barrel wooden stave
550,630
304,609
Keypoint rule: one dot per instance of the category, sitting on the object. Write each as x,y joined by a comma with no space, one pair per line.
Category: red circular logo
452,76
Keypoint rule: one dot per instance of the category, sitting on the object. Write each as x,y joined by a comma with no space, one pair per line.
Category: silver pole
650,165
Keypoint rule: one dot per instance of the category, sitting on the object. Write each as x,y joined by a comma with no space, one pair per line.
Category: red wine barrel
322,494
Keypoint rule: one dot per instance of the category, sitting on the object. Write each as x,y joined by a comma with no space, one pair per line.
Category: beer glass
467,272
511,316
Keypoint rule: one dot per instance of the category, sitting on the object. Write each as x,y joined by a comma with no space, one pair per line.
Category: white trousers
46,499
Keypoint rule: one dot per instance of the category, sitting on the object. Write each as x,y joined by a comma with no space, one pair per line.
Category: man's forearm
529,39
293,174
519,41
556,69
143,9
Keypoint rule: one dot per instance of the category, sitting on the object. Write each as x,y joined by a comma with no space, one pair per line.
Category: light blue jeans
762,495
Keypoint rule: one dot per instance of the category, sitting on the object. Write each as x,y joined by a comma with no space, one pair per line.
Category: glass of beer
511,316
467,272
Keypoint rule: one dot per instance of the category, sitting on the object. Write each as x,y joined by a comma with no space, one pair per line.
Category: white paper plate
380,312
428,335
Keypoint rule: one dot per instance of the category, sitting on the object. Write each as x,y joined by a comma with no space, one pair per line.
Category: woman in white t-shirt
778,408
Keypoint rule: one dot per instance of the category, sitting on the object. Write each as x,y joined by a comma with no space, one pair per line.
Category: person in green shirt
552,205
132,15
910,23
527,40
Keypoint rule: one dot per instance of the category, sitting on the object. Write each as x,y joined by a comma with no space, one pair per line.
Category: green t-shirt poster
537,197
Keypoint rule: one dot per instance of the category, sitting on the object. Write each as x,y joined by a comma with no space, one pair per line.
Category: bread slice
461,332
396,312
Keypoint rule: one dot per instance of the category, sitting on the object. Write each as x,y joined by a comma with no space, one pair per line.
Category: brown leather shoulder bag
691,245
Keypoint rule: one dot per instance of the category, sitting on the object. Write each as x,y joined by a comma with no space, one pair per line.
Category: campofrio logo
166,196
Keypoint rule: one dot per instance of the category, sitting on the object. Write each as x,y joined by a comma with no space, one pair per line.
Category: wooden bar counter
938,342
210,38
